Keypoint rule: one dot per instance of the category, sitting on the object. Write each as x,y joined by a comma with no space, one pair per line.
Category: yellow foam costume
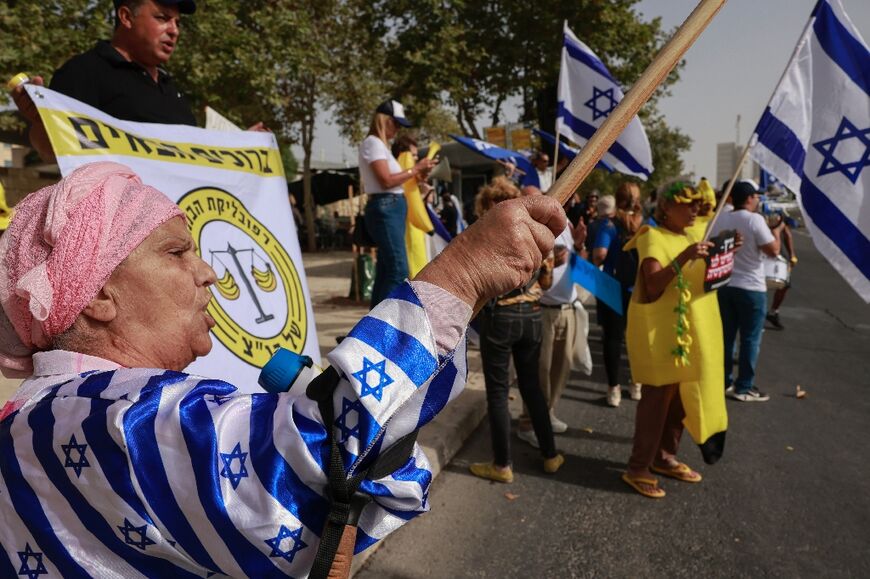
417,224
708,195
651,337
5,211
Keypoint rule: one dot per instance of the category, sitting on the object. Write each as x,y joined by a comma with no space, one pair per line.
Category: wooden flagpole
652,77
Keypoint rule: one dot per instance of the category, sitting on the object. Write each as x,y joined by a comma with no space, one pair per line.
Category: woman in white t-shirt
386,210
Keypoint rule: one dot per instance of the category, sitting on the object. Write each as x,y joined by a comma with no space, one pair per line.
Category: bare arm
655,277
38,136
772,248
389,180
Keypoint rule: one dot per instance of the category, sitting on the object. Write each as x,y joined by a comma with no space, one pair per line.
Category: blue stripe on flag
843,48
202,445
95,384
26,504
111,457
141,438
437,394
278,477
108,454
405,293
586,131
589,60
403,350
603,286
41,420
440,230
6,568
314,436
363,541
781,140
848,238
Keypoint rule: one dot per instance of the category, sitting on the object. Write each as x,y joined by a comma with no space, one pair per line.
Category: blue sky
731,70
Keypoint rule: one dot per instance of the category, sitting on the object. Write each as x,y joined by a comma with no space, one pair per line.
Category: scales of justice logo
259,303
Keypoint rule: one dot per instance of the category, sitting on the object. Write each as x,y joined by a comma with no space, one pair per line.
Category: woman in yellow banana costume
417,224
674,342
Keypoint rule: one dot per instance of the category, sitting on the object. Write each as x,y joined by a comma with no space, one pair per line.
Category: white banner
232,188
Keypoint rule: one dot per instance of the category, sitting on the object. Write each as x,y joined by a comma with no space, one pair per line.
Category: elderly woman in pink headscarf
116,463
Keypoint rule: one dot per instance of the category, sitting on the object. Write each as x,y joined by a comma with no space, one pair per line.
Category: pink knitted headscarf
63,244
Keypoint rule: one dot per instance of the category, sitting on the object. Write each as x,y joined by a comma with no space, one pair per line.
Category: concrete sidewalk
329,276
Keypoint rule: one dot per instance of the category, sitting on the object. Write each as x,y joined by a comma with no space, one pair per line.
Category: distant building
727,156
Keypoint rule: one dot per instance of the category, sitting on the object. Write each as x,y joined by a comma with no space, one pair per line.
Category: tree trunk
308,195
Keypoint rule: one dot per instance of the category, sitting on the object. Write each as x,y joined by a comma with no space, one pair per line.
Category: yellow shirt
651,336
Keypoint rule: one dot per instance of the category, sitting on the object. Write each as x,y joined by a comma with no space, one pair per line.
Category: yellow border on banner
73,133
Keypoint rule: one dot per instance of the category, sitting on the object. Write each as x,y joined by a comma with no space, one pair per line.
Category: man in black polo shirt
122,77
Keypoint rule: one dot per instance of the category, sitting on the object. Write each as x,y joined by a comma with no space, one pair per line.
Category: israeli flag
587,96
814,136
495,152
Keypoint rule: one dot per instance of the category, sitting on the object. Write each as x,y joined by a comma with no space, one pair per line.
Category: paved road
791,498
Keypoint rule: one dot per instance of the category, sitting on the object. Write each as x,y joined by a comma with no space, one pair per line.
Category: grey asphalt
791,497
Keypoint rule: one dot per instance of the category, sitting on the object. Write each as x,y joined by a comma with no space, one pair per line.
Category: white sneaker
614,396
634,391
528,436
558,426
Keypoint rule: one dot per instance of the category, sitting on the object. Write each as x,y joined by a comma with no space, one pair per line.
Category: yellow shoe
489,471
551,465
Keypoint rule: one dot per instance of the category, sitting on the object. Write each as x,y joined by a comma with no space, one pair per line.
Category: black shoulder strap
346,501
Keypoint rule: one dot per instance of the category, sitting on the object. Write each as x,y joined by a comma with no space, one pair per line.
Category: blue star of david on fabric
346,408
26,569
228,458
130,529
218,399
384,379
81,462
285,533
592,103
827,147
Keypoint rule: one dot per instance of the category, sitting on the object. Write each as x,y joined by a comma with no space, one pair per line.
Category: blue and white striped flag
814,136
587,95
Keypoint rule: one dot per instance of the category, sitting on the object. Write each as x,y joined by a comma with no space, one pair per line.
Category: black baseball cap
742,191
184,6
395,110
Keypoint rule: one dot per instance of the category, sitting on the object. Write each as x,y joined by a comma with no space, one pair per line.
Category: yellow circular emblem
259,304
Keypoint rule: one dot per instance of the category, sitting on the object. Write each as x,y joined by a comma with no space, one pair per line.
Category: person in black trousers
511,326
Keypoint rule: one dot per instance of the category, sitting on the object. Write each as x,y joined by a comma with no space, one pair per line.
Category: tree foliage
451,62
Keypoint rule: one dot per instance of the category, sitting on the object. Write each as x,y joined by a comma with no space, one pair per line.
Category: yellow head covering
708,195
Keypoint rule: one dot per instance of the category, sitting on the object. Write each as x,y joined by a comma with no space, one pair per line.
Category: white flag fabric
214,121
587,95
232,188
814,136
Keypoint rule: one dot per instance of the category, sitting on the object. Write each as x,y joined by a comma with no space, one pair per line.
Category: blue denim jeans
385,222
742,311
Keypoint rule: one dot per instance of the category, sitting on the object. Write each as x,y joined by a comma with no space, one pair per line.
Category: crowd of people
104,305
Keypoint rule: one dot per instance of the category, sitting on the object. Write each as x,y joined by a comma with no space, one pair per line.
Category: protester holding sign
744,300
674,347
386,211
123,76
115,462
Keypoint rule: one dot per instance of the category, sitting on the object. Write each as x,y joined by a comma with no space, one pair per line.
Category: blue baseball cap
395,110
184,6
